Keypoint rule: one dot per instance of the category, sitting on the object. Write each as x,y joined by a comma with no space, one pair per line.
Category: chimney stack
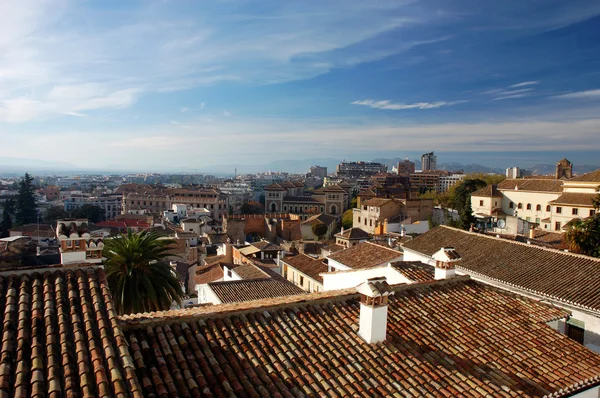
374,294
531,233
445,262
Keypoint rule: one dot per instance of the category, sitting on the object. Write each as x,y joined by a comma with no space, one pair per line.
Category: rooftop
533,185
415,270
377,202
567,277
575,198
254,289
354,233
592,176
490,191
323,218
309,346
365,255
264,246
307,265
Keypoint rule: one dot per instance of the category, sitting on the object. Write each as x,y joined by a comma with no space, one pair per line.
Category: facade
351,237
318,171
374,213
406,167
76,243
306,227
428,162
359,169
564,169
304,271
447,181
111,205
426,181
289,197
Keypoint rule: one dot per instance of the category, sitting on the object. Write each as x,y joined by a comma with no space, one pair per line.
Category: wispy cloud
531,83
581,94
387,104
187,109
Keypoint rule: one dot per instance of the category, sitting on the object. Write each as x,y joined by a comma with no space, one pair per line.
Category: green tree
466,216
462,193
26,209
354,202
583,235
251,208
55,213
347,219
92,213
139,278
319,229
7,212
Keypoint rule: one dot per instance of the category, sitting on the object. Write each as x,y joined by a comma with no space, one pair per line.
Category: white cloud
581,94
387,104
226,113
524,84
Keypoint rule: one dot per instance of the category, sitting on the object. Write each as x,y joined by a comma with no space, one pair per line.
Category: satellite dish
501,223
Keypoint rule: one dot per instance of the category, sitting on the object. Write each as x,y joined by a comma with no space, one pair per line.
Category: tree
55,213
466,216
319,229
251,208
462,193
583,235
92,213
26,209
138,277
347,219
7,212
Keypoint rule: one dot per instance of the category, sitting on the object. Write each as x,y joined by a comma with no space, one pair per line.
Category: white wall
74,257
206,295
591,393
347,279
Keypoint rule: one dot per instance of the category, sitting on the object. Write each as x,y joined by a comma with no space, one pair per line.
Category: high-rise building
428,161
406,167
513,172
318,171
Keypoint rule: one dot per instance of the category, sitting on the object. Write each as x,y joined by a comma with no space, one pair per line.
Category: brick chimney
531,232
374,294
445,262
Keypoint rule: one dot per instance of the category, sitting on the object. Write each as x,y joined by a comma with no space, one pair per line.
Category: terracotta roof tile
355,233
534,185
309,266
264,245
490,191
566,277
250,271
61,337
254,289
415,270
592,176
365,255
575,198
450,338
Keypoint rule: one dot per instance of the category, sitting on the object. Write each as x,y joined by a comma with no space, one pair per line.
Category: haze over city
161,85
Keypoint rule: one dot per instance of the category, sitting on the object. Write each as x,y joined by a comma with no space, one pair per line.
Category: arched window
538,208
528,206
284,208
333,209
273,208
520,206
548,208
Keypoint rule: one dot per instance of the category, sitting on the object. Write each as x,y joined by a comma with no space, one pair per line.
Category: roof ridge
566,253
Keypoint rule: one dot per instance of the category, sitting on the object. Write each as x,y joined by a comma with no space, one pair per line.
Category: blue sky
162,85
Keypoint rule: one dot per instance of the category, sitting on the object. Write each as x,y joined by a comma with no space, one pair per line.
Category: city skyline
162,85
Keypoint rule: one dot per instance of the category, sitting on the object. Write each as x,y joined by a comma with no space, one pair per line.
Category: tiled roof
208,273
575,198
216,238
307,265
489,191
334,247
264,245
377,202
365,255
210,260
61,337
301,199
539,185
592,176
274,187
415,270
354,233
567,277
254,289
249,271
323,218
334,188
474,341
298,184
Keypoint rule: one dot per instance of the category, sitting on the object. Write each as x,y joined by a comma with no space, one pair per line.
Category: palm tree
138,277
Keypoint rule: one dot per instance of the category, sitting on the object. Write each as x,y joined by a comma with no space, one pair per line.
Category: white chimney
374,295
445,263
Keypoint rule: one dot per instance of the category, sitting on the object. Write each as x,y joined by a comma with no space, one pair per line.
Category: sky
162,85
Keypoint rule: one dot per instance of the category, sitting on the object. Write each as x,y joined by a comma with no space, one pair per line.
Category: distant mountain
469,168
548,169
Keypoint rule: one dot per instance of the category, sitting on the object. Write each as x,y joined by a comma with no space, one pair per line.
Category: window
537,220
538,208
229,273
576,330
370,223
481,203
520,206
511,205
528,218
557,226
528,206
592,213
301,279
495,203
284,208
559,210
364,207
575,212
548,208
365,221
358,218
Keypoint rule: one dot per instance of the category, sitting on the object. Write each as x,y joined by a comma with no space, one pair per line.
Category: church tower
564,169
